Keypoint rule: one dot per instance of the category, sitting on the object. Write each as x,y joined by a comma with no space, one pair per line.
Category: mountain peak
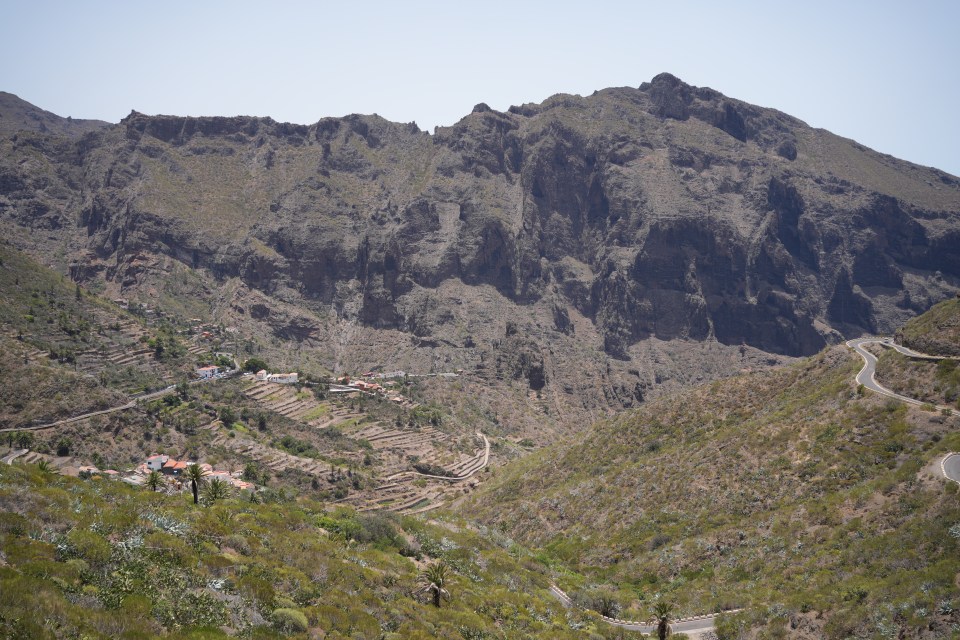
16,114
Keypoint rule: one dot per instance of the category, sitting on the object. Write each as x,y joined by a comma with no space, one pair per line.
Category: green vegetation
253,365
434,578
99,559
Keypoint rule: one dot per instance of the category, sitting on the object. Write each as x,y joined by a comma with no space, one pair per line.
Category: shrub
290,620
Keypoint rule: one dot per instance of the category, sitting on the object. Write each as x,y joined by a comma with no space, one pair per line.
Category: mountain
20,115
582,251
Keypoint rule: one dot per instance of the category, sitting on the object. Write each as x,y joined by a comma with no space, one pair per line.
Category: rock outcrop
666,212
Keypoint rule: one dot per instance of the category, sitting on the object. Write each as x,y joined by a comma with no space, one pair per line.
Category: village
173,473
173,470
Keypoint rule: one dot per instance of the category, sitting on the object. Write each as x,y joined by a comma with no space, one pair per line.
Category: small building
205,373
155,463
282,378
173,467
261,375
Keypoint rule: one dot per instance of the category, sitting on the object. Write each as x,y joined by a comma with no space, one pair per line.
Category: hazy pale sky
882,73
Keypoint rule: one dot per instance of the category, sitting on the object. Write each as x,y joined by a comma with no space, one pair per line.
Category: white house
282,378
155,463
207,372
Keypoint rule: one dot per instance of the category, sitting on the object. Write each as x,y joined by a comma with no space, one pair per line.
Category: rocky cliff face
665,212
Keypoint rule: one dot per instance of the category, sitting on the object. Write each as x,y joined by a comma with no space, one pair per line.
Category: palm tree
46,467
434,578
195,475
663,613
154,480
217,489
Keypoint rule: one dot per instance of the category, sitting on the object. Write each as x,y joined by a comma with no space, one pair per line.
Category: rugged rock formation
19,115
665,212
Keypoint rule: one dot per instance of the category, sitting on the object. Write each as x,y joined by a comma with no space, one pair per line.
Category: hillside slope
610,237
788,492
97,559
936,332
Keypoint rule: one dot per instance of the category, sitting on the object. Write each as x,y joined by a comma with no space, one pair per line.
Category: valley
539,374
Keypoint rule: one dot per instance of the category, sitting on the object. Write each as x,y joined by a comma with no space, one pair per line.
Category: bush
289,620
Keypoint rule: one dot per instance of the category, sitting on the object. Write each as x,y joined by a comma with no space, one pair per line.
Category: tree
24,439
63,446
663,614
195,474
251,472
255,364
154,480
434,578
46,467
228,416
158,348
217,489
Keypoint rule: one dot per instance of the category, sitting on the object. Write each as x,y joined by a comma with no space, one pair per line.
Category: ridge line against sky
882,73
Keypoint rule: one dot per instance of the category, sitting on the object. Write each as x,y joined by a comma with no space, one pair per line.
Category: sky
883,73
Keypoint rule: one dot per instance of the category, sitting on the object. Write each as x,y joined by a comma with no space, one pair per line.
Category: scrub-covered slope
787,491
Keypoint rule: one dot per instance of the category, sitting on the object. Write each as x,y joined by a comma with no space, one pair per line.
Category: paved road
696,624
950,467
486,459
867,375
129,405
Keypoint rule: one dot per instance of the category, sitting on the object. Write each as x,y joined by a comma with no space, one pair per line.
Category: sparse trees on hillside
434,578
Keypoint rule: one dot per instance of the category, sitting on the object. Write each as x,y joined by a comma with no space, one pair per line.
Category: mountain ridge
16,114
633,217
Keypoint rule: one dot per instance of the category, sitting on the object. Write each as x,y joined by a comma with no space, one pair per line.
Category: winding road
696,624
867,375
950,463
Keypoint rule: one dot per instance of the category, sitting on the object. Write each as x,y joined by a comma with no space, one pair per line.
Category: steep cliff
605,228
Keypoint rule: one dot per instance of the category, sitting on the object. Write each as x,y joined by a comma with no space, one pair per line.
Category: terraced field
401,488
301,406
25,456
409,491
269,457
